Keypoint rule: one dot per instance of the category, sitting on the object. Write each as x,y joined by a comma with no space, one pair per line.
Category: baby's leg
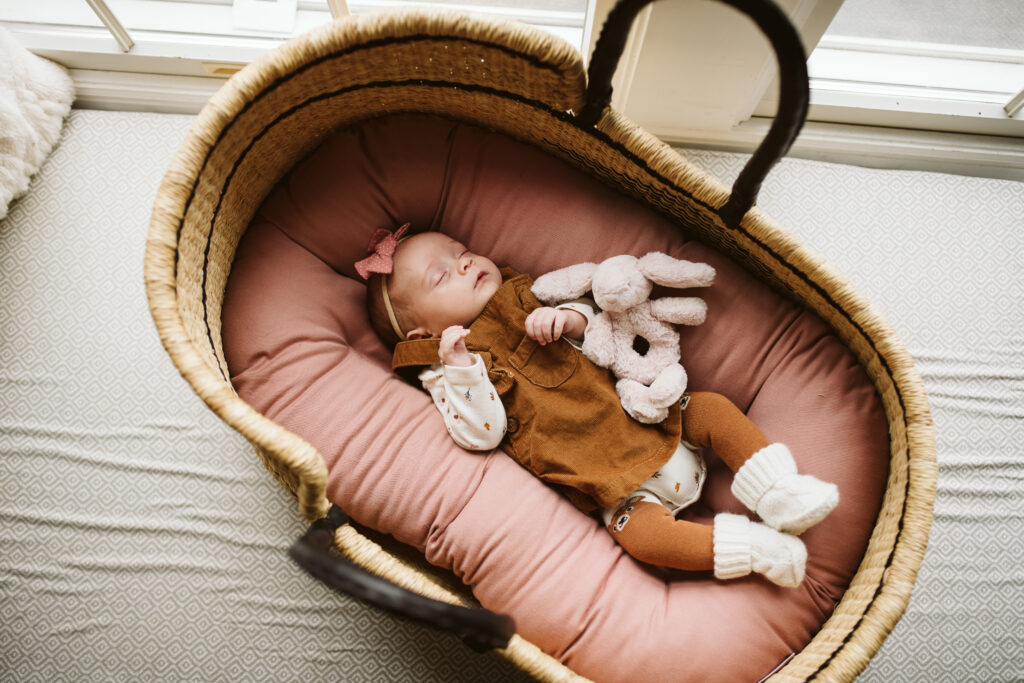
712,421
766,478
646,530
733,547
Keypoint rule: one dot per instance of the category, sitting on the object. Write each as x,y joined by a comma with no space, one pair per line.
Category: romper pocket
545,366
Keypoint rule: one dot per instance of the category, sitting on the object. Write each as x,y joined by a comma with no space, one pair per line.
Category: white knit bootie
742,546
769,485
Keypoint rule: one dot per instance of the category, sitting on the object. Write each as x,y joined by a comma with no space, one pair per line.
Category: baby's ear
563,284
418,333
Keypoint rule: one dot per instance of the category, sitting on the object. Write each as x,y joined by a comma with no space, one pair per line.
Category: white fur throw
35,96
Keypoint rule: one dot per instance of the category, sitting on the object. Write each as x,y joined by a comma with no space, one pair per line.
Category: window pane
548,5
215,17
975,23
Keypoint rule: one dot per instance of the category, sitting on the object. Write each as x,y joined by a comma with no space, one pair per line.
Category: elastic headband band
387,306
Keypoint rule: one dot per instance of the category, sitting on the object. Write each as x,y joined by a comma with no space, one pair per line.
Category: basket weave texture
523,83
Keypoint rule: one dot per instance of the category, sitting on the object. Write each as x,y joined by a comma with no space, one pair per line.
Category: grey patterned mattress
140,538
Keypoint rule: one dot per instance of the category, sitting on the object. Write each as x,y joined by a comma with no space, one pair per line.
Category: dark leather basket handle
794,92
479,628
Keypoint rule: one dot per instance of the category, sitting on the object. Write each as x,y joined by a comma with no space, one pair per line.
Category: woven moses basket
532,87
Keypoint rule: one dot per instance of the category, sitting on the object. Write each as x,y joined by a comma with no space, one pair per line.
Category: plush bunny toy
632,335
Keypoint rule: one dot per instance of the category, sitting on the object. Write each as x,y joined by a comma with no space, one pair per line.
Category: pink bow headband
383,245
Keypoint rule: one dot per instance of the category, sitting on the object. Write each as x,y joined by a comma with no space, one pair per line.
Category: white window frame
855,116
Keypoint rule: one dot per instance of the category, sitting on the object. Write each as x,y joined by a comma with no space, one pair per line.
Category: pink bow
382,244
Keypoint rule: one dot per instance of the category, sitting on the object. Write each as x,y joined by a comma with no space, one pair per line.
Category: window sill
983,156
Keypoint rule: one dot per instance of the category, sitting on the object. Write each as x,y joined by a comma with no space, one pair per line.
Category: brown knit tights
713,421
651,534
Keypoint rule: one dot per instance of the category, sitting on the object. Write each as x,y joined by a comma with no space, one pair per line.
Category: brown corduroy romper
564,420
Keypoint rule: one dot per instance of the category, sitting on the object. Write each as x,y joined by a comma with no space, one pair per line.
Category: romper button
512,425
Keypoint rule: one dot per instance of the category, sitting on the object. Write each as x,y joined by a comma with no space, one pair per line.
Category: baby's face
441,283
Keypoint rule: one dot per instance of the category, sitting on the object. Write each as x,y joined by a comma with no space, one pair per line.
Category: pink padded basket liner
301,351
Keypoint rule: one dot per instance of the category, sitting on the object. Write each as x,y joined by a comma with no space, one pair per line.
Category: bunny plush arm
599,345
682,310
571,282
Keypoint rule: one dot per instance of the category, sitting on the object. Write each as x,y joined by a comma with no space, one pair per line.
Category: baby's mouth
480,277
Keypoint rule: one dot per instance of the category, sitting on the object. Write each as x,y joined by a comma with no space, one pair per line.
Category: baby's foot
742,546
797,502
769,485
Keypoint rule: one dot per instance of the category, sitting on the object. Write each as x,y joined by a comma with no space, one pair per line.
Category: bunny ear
563,284
664,270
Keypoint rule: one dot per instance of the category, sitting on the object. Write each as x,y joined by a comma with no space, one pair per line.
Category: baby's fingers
451,349
455,332
536,323
452,338
547,325
558,326
531,325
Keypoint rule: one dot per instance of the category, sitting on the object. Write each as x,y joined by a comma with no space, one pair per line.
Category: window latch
110,20
1014,106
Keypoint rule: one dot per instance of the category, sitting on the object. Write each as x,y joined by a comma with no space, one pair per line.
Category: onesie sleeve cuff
584,307
430,373
467,376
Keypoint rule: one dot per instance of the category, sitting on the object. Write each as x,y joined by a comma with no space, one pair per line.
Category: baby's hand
548,324
452,350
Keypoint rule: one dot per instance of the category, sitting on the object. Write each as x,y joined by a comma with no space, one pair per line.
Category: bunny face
618,284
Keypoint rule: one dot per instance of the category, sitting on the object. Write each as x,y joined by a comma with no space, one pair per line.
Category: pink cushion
300,351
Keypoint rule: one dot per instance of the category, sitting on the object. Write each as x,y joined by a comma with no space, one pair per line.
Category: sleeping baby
503,370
